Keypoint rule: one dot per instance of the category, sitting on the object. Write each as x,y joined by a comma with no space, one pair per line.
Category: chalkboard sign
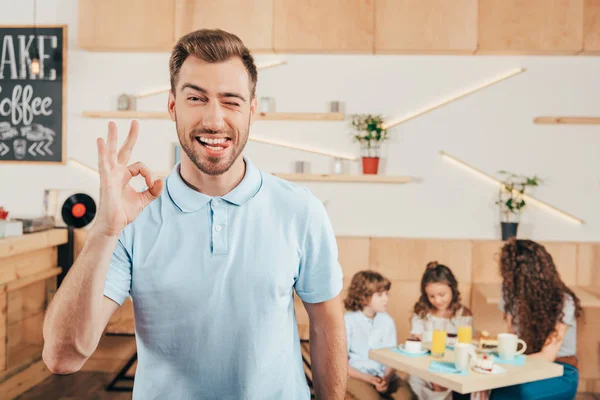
32,106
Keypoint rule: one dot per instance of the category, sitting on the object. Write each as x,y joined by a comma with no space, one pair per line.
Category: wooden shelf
277,116
345,178
300,116
568,120
127,114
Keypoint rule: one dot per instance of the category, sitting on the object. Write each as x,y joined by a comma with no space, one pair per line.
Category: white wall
491,129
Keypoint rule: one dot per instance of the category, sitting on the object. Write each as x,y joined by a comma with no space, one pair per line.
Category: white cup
507,346
464,356
413,346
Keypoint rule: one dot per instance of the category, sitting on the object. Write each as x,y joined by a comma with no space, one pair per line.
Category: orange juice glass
438,343
465,330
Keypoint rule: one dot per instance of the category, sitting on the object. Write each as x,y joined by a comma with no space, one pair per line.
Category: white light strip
270,65
527,197
425,110
167,88
301,148
153,92
83,166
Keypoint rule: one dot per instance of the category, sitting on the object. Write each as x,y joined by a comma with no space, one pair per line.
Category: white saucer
423,350
496,369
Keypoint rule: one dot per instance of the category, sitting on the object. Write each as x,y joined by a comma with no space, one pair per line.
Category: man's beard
212,165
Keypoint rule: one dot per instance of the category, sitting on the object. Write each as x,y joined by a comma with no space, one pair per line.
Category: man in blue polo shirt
211,261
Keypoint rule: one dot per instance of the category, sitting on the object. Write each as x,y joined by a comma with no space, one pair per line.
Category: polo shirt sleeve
118,279
320,274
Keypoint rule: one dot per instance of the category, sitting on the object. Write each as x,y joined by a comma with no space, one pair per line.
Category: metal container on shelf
126,102
266,105
302,167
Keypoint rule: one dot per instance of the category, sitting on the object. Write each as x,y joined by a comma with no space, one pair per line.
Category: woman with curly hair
543,311
440,300
368,327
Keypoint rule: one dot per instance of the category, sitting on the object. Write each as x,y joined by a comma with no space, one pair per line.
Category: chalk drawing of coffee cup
20,147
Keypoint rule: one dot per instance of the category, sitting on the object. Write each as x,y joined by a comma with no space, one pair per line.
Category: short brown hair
212,46
363,286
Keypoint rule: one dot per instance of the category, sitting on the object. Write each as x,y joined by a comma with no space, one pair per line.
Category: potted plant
511,202
369,134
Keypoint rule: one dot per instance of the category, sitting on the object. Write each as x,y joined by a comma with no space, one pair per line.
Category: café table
533,370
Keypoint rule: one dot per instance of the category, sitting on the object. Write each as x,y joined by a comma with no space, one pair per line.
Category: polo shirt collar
248,187
190,200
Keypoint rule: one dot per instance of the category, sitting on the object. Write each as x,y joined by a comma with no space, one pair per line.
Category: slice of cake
485,363
487,343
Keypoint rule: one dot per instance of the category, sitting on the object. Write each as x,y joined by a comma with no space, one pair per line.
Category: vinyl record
78,210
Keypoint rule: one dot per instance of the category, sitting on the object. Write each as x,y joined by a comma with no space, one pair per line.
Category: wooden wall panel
486,317
402,298
486,258
23,333
426,26
133,25
27,264
588,264
591,27
341,26
588,344
251,20
531,27
33,327
406,259
22,382
353,254
13,246
24,303
14,333
565,259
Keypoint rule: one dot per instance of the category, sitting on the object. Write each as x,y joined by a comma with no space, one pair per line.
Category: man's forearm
330,360
74,320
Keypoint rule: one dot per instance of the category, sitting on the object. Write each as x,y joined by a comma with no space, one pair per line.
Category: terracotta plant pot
370,165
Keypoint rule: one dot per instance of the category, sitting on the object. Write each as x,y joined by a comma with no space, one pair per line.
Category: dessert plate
496,369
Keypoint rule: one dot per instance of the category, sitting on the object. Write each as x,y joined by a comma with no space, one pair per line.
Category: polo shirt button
218,228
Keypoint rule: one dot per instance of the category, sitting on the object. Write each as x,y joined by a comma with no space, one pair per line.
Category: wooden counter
28,270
